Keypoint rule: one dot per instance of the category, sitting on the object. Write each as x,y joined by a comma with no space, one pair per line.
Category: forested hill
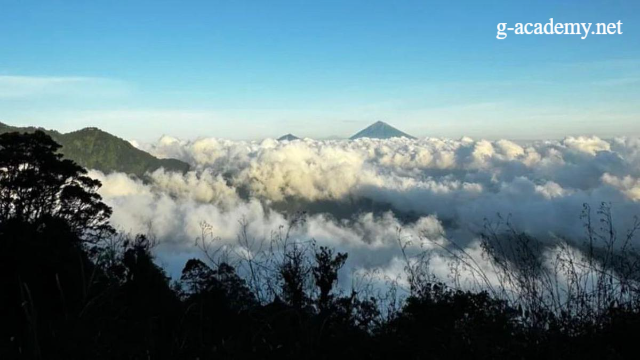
93,148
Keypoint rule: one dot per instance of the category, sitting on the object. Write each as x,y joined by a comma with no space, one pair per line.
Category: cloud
363,195
588,145
628,185
18,87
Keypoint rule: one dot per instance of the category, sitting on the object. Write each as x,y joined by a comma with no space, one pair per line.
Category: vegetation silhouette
71,287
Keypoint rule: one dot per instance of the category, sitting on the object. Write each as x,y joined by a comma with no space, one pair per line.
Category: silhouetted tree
37,184
49,210
144,310
294,271
325,273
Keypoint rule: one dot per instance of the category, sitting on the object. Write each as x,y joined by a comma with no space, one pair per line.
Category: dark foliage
37,186
71,288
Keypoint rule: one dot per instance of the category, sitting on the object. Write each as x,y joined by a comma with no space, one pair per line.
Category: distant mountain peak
380,130
288,137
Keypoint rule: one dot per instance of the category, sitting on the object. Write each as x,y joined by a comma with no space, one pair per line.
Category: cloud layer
359,193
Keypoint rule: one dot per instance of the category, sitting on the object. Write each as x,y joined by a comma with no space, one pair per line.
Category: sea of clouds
362,196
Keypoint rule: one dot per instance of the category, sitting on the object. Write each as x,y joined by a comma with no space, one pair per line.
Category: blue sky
254,69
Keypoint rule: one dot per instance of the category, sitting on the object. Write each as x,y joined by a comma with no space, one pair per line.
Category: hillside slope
93,148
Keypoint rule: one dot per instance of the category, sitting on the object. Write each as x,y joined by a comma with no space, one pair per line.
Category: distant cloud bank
17,87
360,193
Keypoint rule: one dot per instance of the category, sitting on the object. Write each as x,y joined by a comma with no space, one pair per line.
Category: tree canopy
38,185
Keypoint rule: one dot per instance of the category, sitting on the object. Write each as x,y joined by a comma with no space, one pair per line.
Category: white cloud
628,185
359,193
16,87
589,145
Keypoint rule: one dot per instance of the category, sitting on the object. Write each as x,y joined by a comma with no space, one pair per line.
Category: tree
49,209
222,283
293,271
37,185
325,273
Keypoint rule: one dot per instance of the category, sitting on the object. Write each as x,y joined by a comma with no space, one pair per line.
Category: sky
257,69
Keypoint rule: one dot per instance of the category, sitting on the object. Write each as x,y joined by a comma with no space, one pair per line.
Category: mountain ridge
93,148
